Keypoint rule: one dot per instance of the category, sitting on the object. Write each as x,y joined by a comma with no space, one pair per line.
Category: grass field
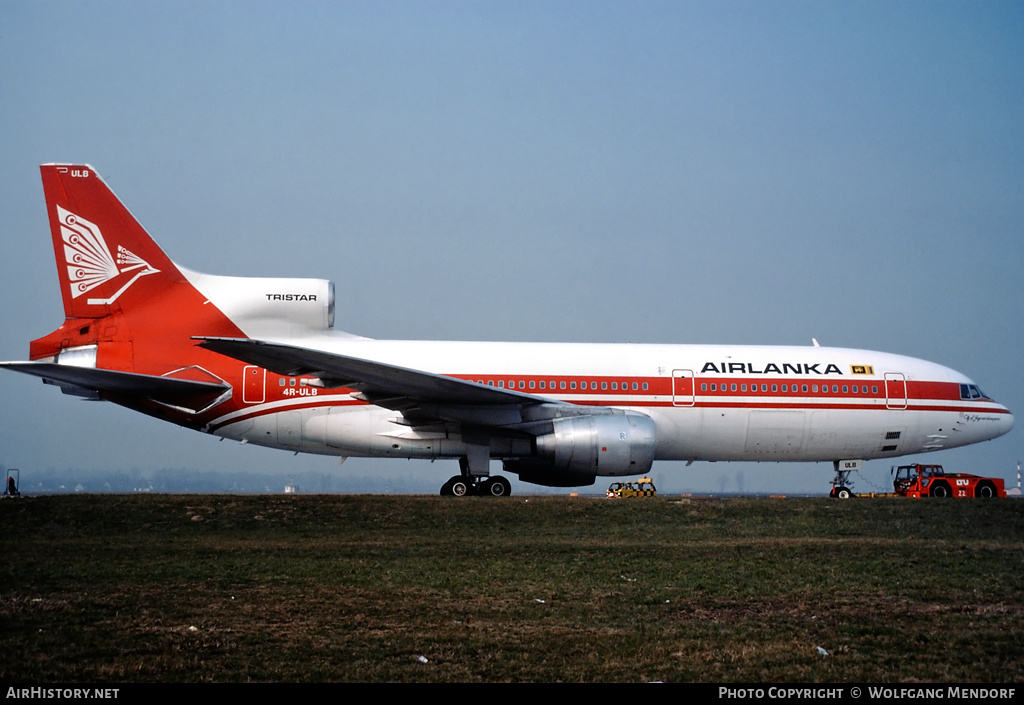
128,588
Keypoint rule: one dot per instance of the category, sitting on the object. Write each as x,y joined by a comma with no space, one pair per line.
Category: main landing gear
460,486
478,482
474,466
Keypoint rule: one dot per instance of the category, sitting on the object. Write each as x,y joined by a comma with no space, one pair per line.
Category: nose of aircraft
987,420
986,425
1005,422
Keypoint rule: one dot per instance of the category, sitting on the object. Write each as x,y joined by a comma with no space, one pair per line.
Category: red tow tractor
932,481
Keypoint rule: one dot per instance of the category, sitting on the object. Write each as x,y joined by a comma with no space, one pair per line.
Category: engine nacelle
267,307
600,444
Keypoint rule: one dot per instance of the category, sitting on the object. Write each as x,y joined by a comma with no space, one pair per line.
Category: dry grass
341,588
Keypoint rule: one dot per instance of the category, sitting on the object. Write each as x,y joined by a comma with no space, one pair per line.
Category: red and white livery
258,361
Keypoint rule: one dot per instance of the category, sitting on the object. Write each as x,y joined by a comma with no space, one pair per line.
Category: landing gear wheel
461,486
497,486
446,488
842,481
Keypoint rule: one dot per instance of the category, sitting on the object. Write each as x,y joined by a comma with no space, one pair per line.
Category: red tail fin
123,297
105,259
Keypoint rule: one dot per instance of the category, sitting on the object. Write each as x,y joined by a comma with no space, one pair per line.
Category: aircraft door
895,390
253,380
682,388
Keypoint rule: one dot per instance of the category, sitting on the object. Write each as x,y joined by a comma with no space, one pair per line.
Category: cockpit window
972,391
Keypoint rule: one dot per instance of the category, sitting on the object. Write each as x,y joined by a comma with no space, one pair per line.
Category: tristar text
291,297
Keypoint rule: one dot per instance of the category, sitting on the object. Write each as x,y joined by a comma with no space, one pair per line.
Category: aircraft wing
416,393
90,381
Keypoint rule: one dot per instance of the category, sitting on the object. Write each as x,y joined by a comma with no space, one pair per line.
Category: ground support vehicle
919,480
644,487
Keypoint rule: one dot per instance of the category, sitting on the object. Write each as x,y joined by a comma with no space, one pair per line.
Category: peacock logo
89,261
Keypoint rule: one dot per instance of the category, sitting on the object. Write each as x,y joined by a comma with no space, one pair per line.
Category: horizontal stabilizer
185,393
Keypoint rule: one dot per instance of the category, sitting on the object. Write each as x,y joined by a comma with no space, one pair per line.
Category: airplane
258,360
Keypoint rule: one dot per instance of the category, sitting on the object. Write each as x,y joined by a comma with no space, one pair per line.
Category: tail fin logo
89,261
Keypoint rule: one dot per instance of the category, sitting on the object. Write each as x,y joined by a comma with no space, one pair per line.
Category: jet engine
266,307
578,448
601,444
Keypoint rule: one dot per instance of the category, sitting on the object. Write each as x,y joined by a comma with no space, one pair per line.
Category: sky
677,172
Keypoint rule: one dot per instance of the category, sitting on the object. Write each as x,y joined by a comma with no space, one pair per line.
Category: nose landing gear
842,483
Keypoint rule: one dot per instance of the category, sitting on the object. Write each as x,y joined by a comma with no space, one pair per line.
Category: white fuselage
708,402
